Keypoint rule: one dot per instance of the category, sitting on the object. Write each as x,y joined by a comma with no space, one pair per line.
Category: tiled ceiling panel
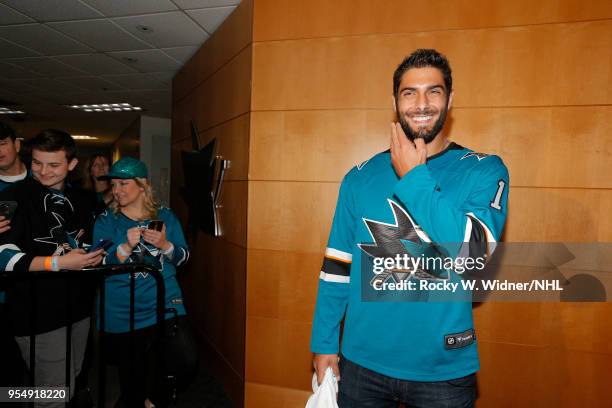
165,30
96,64
181,54
115,8
49,85
10,16
102,35
147,60
16,87
211,18
194,4
62,52
10,50
92,83
9,71
42,39
138,81
53,10
46,67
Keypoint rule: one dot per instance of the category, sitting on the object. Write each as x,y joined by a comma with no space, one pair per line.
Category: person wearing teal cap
143,232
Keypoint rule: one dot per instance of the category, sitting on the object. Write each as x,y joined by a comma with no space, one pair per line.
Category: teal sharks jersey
458,196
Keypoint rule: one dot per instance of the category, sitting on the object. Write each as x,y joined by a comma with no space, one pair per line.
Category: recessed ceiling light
104,107
144,29
84,137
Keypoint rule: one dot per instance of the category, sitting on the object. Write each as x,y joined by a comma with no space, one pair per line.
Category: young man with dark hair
48,230
12,170
425,189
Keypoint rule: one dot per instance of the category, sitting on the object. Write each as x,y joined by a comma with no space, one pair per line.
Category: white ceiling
61,52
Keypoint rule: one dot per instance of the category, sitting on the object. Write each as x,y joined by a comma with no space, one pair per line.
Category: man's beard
422,133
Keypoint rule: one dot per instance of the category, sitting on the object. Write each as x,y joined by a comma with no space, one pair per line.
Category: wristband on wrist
122,252
54,263
48,263
168,252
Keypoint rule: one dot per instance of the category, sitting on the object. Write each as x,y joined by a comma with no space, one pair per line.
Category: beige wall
532,85
304,93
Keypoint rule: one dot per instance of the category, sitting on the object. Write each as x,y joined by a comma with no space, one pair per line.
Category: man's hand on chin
406,155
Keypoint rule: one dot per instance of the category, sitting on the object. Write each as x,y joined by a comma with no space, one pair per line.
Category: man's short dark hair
7,131
423,58
53,140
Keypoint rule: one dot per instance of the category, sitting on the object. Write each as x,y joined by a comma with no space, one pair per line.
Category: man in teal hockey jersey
425,189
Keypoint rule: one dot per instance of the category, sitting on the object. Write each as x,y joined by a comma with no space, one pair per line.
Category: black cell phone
101,244
156,225
8,208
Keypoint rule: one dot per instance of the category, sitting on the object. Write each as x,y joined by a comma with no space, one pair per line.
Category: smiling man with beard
424,189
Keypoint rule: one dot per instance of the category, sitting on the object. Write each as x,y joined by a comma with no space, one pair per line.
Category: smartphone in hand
156,225
8,208
101,244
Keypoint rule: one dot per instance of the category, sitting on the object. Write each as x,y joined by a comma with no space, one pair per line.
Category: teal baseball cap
126,168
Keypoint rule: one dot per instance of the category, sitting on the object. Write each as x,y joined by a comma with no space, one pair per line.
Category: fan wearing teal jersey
425,190
143,232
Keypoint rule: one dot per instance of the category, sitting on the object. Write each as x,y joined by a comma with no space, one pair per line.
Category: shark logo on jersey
147,254
391,240
479,156
63,240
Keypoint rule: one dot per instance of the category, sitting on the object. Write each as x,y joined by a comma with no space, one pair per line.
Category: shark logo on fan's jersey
391,240
147,254
58,236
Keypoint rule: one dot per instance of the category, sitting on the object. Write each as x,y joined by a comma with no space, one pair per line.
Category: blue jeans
363,388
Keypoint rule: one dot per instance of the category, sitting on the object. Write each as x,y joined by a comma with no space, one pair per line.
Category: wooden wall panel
290,216
275,352
276,20
581,327
234,34
229,88
282,284
516,66
336,141
225,95
183,112
233,212
558,215
177,182
215,292
536,143
514,375
259,395
213,89
233,144
543,147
